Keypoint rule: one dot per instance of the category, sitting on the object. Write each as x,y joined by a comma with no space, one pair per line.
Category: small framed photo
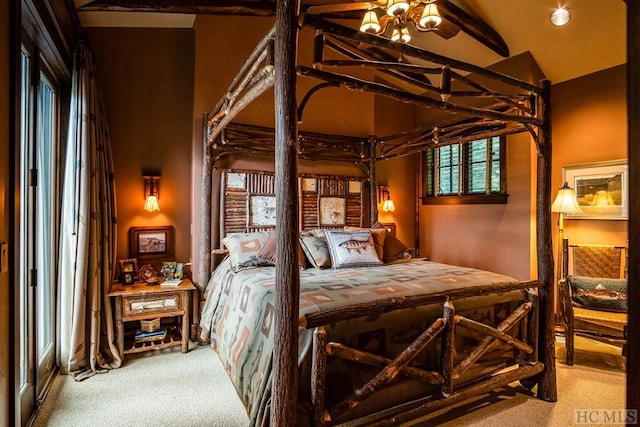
128,270
151,242
127,278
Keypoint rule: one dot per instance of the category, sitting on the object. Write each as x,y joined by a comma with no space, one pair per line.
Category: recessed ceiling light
560,16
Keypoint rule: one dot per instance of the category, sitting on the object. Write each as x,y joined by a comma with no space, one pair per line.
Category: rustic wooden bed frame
247,204
516,106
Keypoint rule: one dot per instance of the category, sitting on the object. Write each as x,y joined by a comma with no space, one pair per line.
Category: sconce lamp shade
385,196
566,201
151,204
151,190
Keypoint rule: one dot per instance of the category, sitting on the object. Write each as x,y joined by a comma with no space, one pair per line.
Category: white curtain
88,232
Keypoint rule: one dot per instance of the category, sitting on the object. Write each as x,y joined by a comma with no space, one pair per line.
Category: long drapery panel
88,231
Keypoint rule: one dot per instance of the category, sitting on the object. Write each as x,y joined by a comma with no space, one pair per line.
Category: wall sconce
151,193
385,197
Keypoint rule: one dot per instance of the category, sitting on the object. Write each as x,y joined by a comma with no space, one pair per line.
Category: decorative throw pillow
599,293
378,234
393,247
316,232
316,250
268,251
244,248
352,249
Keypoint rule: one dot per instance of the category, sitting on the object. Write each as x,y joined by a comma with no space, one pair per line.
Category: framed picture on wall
151,242
602,189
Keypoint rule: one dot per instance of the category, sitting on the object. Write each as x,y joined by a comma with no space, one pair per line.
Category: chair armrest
564,300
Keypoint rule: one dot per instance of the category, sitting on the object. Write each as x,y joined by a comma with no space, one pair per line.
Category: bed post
373,187
204,258
285,357
633,117
546,349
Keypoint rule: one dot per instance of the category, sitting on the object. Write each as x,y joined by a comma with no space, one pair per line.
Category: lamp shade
388,206
151,193
430,17
401,34
151,204
566,201
370,23
397,7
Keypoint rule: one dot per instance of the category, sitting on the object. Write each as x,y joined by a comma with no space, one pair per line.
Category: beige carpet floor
168,388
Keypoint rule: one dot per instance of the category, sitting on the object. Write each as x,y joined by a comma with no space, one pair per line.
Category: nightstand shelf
141,301
172,338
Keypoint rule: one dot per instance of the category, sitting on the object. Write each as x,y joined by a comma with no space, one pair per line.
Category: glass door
38,186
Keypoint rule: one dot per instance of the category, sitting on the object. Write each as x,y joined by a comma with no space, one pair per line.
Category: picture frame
333,211
127,278
128,271
151,242
602,189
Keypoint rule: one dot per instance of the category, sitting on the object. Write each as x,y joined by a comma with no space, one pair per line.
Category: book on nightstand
157,335
172,282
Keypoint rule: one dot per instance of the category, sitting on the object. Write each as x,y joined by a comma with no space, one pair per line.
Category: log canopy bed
325,346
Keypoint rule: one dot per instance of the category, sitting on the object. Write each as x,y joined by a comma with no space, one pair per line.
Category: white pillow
352,249
244,248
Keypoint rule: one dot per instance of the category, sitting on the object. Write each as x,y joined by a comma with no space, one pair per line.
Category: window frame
465,197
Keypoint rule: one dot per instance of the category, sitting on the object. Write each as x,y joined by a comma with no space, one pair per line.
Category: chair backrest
605,261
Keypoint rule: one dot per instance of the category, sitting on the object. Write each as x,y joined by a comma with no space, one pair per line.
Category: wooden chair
592,261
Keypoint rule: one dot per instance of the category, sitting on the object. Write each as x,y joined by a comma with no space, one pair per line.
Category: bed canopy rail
480,103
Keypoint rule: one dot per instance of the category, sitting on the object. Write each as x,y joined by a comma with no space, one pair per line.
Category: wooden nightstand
141,301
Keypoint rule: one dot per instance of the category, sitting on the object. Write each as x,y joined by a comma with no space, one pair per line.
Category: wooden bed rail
325,317
525,365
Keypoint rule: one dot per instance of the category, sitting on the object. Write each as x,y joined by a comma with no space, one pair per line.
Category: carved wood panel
247,202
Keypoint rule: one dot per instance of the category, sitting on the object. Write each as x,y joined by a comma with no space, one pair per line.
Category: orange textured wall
146,77
590,125
499,238
399,174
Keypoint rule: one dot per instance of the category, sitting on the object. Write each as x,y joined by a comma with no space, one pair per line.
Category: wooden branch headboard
248,201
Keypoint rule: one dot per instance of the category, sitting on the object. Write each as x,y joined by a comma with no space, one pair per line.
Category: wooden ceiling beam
197,7
474,26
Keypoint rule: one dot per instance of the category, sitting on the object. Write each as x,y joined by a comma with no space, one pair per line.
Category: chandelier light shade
151,191
566,201
430,17
397,7
370,23
401,34
400,15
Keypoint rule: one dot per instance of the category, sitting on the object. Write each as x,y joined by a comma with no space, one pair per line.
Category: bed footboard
454,386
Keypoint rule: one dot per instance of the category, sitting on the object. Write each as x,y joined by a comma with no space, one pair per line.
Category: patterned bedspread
239,310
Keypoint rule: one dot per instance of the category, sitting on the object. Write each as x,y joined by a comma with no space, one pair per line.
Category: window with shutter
472,172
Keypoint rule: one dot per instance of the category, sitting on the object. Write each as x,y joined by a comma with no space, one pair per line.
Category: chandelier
398,13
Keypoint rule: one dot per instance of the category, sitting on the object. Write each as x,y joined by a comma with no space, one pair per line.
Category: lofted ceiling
594,40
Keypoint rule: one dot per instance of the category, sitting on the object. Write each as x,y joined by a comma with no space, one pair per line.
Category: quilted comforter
238,315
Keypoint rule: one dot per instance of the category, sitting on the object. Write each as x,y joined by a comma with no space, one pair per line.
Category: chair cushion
599,293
